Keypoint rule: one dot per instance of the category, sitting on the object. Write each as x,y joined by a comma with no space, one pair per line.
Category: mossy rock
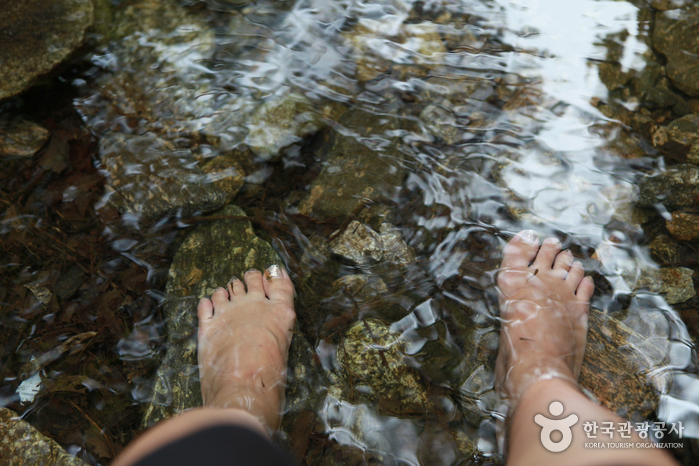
208,258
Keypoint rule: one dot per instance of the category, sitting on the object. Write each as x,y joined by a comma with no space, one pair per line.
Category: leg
544,301
244,338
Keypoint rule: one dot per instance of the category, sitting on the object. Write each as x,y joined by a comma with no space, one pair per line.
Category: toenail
251,270
232,279
274,271
529,236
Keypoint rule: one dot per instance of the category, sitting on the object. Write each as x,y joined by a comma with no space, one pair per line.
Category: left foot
244,338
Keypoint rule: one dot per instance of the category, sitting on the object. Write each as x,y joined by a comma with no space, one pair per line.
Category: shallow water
482,118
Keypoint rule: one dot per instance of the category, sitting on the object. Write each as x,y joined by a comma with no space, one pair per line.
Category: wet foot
244,338
544,302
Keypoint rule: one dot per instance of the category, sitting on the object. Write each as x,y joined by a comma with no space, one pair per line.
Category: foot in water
244,337
544,301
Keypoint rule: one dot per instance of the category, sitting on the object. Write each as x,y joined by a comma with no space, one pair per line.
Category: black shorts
217,446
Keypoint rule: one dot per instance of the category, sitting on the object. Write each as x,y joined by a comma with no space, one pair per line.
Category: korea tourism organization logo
549,426
618,433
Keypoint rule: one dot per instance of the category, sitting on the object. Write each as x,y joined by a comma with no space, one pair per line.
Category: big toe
521,250
205,310
278,285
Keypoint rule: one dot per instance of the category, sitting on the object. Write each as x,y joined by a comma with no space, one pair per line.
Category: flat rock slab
149,178
208,258
22,444
21,138
36,35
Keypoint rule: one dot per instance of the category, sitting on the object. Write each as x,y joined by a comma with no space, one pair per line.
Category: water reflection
439,128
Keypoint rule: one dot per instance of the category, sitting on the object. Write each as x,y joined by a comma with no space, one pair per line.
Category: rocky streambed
384,153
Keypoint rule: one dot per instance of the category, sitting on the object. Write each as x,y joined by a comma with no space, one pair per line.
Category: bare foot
543,310
244,342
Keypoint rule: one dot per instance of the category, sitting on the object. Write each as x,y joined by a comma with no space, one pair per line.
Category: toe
547,253
521,250
253,281
575,275
220,297
585,289
278,285
236,287
205,310
563,261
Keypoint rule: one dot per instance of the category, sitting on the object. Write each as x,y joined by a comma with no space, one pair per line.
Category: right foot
244,338
543,311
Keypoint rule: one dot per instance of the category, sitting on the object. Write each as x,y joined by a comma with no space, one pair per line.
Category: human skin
544,302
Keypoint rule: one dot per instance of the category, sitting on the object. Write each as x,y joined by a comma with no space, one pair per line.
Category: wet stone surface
21,138
150,178
37,35
20,443
675,37
207,259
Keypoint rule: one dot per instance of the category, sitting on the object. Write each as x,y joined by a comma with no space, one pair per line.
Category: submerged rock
680,139
36,35
149,178
676,187
372,357
207,259
277,124
675,36
20,443
361,168
21,138
362,245
684,226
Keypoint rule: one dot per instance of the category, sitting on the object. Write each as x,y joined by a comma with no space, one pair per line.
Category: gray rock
207,259
20,443
149,178
21,138
36,35
676,187
357,243
277,124
676,282
675,36
362,245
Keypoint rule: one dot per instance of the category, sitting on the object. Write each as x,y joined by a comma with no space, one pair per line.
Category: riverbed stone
362,245
684,226
357,171
149,178
278,123
371,356
37,35
676,187
20,443
208,258
674,35
21,138
680,139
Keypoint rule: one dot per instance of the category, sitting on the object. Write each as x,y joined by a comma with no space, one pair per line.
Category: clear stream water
516,142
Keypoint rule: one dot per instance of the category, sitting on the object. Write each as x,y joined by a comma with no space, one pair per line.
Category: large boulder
207,259
36,35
